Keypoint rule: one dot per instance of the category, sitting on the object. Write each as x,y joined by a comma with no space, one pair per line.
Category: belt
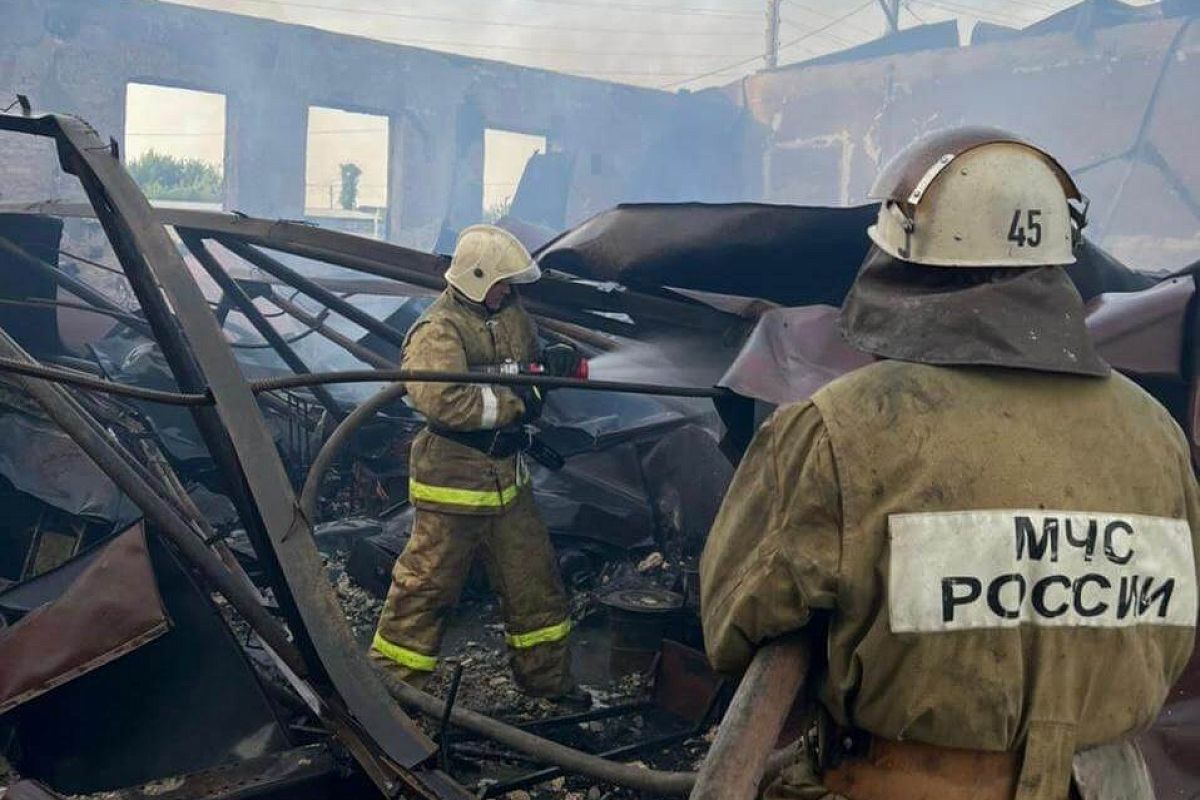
505,442
498,443
889,770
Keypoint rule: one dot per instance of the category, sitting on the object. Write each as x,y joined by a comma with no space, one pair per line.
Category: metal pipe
735,765
54,400
624,751
75,286
673,784
641,779
237,294
182,361
362,353
50,305
311,288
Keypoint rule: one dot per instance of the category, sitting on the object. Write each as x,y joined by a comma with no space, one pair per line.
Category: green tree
166,177
349,195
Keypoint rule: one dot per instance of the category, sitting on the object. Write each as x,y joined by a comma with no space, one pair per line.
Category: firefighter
987,536
469,482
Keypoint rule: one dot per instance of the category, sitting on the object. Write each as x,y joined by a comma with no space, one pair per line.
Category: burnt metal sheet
1143,332
305,772
35,329
42,461
686,475
1172,745
792,353
110,609
597,496
30,790
188,700
787,254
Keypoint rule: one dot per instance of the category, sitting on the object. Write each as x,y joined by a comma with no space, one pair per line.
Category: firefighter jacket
456,335
1007,558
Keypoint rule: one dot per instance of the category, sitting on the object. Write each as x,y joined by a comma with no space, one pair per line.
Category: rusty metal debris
174,547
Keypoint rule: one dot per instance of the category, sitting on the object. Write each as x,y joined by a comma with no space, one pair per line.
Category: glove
561,360
531,396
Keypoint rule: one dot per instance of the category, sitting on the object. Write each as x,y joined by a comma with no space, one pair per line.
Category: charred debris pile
205,487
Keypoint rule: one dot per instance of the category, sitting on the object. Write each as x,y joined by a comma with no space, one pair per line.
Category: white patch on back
964,570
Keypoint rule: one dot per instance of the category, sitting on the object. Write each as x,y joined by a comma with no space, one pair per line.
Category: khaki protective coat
471,505
455,335
805,528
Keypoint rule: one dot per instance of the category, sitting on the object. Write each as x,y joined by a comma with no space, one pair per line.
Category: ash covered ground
475,640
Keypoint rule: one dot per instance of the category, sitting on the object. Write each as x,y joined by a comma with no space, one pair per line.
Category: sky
665,44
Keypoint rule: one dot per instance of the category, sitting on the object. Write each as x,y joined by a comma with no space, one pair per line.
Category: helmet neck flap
1000,317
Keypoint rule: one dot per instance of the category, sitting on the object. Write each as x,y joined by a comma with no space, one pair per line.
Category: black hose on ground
333,445
640,779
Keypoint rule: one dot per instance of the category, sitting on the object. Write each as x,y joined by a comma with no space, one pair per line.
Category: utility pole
891,8
771,55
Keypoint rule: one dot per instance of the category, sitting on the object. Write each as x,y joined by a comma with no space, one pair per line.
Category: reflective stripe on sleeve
472,498
402,655
491,407
553,633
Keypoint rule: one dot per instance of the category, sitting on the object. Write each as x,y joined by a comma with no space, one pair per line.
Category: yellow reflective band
402,655
474,498
554,633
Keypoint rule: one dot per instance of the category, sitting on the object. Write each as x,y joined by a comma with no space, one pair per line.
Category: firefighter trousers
428,578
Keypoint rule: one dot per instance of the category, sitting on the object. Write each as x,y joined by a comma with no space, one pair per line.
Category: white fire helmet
485,255
977,197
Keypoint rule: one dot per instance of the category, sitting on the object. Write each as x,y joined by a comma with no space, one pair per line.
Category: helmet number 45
1017,231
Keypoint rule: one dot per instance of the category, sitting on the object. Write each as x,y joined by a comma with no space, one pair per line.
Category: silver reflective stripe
964,570
491,407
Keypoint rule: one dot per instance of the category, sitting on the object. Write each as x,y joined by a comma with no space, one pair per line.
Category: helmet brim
531,274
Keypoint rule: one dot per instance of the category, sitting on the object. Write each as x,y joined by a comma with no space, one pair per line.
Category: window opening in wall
505,154
346,171
175,145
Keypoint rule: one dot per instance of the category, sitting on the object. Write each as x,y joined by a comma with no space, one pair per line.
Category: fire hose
92,383
640,779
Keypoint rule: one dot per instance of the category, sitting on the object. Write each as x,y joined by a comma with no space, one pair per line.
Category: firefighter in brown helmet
990,536
469,482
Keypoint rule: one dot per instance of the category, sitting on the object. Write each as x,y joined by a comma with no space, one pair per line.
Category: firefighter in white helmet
469,482
989,535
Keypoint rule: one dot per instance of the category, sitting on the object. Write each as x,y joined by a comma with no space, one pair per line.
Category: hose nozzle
533,368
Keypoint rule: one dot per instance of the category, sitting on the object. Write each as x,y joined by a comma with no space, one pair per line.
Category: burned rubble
205,495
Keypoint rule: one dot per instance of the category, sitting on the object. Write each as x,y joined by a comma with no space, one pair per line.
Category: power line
833,37
793,42
645,9
826,15
908,7
559,51
222,133
830,24
956,8
477,22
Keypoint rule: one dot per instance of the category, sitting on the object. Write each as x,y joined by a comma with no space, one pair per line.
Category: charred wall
77,56
1118,105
